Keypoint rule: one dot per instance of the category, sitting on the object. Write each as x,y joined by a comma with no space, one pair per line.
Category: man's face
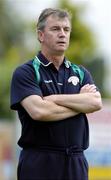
56,34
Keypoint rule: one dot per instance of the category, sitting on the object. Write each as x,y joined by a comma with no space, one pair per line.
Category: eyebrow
57,26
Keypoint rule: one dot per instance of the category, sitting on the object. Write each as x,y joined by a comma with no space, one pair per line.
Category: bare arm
89,100
44,110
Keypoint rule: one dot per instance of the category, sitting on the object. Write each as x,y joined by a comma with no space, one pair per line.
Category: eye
55,29
67,29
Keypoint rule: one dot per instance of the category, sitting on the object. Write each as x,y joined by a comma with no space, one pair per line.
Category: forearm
84,102
44,110
54,112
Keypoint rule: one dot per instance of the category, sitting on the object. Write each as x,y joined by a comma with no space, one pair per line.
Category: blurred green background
18,43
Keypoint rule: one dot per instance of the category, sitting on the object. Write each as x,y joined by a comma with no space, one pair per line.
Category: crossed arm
59,107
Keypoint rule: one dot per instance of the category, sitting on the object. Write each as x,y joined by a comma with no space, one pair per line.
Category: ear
40,36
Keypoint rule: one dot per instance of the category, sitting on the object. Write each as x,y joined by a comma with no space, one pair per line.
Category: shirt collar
44,61
67,63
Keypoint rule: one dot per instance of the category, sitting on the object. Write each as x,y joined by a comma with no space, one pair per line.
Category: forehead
57,21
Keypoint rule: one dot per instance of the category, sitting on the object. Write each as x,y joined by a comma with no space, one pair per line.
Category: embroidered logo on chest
74,80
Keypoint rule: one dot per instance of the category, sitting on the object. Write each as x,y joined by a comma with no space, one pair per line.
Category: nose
62,33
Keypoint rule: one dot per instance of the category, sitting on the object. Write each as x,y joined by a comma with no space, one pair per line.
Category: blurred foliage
18,42
13,50
97,69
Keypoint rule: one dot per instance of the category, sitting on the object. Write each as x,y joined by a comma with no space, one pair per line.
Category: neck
56,59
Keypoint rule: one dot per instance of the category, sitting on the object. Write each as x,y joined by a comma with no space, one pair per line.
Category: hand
88,88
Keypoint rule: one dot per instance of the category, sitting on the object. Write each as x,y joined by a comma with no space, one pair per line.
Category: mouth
61,42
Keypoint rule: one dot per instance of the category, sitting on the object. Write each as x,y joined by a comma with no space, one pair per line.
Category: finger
88,88
91,88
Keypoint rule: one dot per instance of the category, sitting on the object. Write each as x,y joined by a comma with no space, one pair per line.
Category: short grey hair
51,11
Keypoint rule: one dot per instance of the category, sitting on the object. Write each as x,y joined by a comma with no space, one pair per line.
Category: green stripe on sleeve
36,65
77,70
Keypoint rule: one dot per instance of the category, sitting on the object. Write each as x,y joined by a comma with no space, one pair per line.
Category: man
52,97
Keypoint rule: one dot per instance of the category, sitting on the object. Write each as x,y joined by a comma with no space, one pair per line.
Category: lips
61,42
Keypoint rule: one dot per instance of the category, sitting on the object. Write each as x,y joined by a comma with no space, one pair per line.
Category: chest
63,81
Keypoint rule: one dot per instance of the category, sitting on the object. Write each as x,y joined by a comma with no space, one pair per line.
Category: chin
60,52
61,49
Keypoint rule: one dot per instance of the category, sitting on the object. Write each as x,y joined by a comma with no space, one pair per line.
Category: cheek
48,37
68,39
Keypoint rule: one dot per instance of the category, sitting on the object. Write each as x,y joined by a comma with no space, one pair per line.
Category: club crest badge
74,80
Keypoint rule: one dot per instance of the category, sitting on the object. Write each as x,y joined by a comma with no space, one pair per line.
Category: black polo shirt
44,81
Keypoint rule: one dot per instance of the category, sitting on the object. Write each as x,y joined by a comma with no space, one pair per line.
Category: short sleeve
23,84
87,76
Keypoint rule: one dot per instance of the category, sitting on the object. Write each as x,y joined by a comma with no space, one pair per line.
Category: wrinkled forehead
56,20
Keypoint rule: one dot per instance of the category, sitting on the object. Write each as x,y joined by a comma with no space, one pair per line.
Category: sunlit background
90,45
